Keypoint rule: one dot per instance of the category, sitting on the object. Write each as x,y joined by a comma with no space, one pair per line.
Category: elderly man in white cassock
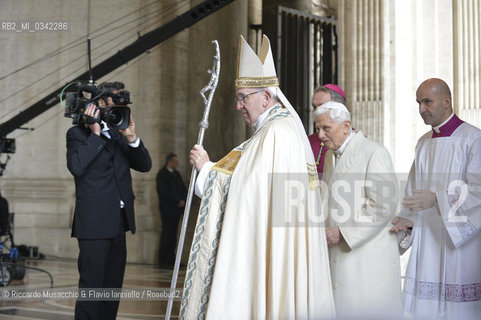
259,249
441,213
362,200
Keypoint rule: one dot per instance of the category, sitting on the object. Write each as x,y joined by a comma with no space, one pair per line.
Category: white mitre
258,71
255,71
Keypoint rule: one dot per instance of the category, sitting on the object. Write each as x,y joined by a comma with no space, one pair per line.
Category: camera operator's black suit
101,167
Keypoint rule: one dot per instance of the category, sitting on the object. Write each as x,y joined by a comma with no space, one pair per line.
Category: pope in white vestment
443,207
363,198
259,249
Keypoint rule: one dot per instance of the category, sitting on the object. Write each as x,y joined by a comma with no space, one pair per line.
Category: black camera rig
116,117
6,146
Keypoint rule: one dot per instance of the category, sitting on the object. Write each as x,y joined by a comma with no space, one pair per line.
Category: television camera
116,117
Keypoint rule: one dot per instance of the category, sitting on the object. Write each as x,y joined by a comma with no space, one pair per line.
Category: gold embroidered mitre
255,71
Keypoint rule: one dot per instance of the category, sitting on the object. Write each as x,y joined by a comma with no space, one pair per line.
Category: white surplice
259,250
443,277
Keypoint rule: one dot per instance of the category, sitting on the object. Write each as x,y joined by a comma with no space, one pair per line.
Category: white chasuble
259,249
443,277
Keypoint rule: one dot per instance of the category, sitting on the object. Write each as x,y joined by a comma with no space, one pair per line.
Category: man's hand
198,157
181,204
93,112
333,236
420,200
129,133
400,224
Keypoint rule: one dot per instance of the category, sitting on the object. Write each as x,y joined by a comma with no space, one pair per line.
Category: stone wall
164,83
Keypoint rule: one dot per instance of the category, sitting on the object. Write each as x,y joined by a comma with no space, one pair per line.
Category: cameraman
100,161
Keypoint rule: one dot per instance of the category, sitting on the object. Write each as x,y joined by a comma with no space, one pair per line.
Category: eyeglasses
242,97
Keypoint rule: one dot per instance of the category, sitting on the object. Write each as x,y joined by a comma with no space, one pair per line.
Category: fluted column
387,47
361,31
467,60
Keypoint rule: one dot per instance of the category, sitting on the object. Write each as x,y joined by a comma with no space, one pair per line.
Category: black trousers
168,238
101,264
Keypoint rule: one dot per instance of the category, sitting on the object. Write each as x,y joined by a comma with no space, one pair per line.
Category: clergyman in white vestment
363,198
442,205
259,249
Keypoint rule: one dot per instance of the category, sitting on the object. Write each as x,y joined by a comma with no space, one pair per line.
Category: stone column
361,34
467,60
387,48
422,48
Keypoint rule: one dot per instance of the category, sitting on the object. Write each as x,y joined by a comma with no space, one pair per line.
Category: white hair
339,116
273,92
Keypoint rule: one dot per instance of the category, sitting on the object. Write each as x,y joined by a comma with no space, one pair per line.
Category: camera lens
117,117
